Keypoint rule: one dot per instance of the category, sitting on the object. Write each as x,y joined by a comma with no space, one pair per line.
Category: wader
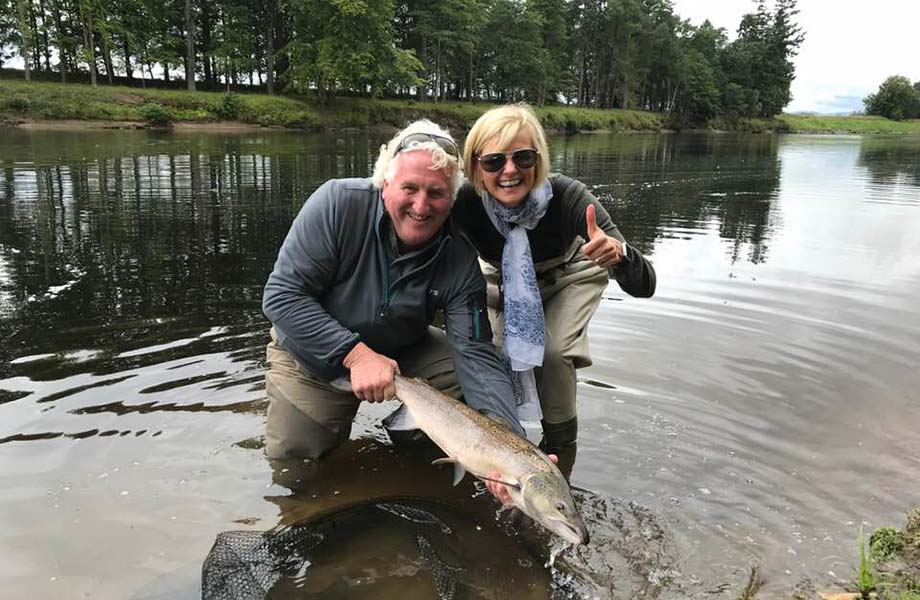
571,292
308,417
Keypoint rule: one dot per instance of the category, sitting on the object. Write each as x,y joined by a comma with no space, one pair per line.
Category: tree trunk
145,60
129,70
46,42
270,56
106,57
437,72
34,37
25,45
283,60
423,56
166,72
469,92
206,41
190,45
59,28
89,42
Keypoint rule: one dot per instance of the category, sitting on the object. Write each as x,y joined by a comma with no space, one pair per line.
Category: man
364,268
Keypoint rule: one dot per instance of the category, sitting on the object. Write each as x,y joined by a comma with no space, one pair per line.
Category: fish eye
560,506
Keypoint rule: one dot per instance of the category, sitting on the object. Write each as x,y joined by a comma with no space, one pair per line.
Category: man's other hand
500,490
371,374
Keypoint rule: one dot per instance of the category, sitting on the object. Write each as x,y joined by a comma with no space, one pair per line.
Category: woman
548,247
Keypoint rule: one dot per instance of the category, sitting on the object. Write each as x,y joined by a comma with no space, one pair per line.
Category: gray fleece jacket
338,280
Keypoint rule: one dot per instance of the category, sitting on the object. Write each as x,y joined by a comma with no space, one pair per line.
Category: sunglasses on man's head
414,139
522,159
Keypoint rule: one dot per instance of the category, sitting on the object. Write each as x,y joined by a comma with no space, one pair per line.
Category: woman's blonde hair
387,160
503,124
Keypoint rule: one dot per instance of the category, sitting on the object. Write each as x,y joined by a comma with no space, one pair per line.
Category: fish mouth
575,533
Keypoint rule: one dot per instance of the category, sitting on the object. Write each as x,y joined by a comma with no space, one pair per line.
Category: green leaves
895,99
592,53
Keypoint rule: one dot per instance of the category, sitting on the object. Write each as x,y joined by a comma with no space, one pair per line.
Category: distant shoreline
56,106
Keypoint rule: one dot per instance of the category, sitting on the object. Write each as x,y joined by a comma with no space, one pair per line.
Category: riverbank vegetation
45,101
616,54
891,568
895,99
49,101
857,124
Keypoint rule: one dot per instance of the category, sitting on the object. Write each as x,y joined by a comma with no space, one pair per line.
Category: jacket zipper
385,267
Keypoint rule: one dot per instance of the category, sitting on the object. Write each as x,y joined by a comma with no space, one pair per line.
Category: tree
701,74
895,99
444,36
25,36
509,69
347,45
190,28
697,100
759,62
555,32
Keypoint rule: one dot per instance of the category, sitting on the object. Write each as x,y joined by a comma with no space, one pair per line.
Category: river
761,408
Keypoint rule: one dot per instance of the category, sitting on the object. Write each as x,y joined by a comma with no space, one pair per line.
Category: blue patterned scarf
524,324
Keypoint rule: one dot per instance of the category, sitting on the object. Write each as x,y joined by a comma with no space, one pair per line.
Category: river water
761,408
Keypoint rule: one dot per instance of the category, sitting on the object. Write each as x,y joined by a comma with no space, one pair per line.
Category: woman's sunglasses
495,162
414,139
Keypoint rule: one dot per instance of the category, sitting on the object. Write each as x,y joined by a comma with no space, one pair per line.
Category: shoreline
230,126
74,106
98,124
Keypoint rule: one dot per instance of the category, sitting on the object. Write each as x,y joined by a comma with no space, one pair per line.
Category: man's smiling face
417,198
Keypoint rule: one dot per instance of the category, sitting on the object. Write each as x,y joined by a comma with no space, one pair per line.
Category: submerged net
417,554
245,565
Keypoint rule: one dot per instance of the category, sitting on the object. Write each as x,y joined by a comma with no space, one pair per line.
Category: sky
849,48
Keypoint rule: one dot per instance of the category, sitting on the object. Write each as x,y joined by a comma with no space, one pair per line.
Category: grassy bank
851,124
55,101
47,101
889,566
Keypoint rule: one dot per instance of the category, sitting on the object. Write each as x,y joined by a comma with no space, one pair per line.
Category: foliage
865,579
18,104
154,114
76,101
850,124
895,560
886,543
229,107
895,99
626,54
347,44
759,63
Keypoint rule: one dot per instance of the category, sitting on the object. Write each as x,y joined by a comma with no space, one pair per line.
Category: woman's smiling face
511,184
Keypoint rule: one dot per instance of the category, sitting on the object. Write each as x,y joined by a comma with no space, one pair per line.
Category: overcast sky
849,48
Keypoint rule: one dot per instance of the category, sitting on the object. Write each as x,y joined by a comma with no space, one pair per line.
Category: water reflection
894,166
763,401
675,186
113,227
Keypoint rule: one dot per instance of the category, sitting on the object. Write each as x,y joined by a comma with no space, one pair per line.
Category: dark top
558,233
338,281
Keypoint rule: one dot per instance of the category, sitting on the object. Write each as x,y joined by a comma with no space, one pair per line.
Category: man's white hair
388,159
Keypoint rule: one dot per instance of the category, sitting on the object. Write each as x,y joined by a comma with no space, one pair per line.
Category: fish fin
505,483
459,471
400,419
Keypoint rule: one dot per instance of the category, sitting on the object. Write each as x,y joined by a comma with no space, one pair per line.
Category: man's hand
371,374
500,490
601,248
